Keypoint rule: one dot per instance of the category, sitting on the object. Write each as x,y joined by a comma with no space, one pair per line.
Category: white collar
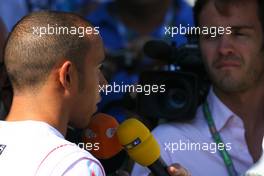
220,112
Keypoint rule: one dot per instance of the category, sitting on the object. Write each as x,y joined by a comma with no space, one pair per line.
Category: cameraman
232,117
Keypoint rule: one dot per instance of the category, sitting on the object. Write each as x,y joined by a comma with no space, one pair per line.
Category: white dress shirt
198,153
258,168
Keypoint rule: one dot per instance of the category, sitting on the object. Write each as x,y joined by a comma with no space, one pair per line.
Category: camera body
186,84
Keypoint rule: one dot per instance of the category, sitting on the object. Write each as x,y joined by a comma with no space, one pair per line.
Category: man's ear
67,75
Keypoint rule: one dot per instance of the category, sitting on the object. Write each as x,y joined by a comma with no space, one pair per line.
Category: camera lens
176,98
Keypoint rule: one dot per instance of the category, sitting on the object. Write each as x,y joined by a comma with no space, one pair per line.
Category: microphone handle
159,168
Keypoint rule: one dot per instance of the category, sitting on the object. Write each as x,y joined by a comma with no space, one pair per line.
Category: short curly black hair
30,58
200,4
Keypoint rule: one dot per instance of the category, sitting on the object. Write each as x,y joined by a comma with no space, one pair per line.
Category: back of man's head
30,56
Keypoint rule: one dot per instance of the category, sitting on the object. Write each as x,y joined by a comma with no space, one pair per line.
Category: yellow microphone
141,146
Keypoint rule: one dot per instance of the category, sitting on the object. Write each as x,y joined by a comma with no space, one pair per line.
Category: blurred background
11,11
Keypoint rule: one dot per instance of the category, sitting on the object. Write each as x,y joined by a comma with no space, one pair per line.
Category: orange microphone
101,134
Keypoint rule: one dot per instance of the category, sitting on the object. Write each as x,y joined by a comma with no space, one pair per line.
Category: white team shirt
34,148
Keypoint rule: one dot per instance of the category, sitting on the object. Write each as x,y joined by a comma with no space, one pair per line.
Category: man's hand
177,170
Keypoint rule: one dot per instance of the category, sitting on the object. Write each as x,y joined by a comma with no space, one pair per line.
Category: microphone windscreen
101,132
139,143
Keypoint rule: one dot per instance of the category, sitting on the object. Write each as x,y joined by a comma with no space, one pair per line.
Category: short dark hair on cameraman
29,58
200,4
